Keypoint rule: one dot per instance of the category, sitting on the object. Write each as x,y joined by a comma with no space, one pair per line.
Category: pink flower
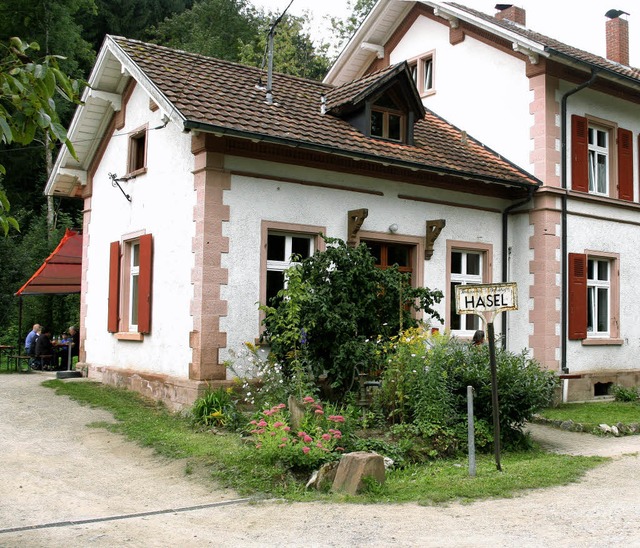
253,422
272,433
337,435
258,445
319,412
301,434
326,437
336,418
268,412
307,438
262,423
284,438
278,424
280,406
287,428
305,449
308,399
319,444
282,445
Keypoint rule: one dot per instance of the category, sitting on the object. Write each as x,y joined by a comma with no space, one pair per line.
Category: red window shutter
144,284
579,153
625,164
577,296
114,288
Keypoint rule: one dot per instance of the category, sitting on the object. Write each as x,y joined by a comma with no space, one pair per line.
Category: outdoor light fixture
393,228
115,181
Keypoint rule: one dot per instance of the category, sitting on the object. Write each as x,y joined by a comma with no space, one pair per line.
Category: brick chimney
617,30
512,13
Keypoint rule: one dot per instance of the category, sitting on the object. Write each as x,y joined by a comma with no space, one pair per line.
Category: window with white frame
599,160
283,251
598,297
422,73
132,250
466,268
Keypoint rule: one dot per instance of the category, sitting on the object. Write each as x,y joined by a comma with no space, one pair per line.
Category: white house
198,187
571,119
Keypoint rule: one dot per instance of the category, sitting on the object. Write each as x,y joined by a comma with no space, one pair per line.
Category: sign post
487,300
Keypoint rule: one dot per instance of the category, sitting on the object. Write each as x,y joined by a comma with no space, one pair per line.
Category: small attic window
387,120
137,162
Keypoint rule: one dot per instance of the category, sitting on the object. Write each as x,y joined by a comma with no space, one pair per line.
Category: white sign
476,299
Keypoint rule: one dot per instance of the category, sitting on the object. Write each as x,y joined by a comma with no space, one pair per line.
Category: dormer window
387,120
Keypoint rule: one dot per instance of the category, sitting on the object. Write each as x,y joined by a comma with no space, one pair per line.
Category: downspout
505,239
563,251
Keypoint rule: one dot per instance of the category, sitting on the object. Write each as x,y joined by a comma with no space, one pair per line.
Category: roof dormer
382,105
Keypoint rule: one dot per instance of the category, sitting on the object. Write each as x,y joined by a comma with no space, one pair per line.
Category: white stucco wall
162,203
478,88
252,200
607,236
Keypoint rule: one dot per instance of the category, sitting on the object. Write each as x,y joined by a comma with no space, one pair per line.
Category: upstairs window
387,120
601,158
422,72
137,162
598,160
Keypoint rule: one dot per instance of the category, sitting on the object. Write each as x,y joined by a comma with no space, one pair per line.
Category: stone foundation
176,393
590,384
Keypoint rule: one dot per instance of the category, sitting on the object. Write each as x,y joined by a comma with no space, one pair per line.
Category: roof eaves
375,158
144,81
575,61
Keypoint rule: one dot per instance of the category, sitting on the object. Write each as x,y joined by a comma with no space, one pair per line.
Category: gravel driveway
65,484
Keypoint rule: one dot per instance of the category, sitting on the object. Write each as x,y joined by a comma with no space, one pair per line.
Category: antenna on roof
270,55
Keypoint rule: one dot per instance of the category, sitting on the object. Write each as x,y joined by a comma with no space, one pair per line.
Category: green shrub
337,305
217,408
622,393
425,384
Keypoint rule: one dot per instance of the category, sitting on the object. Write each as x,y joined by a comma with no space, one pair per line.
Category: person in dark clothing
478,338
44,348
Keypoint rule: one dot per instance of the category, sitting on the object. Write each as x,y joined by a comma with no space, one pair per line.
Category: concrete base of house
176,393
595,385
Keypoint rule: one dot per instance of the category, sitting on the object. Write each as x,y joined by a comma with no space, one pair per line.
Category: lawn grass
236,464
593,414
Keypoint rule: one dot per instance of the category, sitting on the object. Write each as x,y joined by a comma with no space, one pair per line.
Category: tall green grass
235,464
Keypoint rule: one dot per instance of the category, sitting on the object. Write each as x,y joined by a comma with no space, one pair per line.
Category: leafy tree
236,31
129,18
343,29
294,51
216,28
26,104
337,305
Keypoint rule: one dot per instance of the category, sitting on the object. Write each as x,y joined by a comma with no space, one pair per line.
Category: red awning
61,272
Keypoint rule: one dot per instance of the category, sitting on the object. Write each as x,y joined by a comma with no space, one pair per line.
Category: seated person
44,347
30,341
74,336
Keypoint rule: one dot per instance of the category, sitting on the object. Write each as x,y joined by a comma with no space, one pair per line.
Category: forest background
234,30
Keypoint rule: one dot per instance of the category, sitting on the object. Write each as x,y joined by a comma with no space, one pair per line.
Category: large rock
354,467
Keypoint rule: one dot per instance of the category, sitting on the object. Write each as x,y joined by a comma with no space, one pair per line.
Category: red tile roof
554,45
219,96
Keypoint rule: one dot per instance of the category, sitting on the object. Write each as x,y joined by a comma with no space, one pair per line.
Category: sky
579,23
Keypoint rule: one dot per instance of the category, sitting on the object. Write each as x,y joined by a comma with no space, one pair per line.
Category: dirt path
64,484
